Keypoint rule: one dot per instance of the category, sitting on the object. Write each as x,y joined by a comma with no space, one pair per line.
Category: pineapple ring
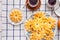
15,16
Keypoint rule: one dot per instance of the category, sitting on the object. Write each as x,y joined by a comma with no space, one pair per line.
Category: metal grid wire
0,20
12,32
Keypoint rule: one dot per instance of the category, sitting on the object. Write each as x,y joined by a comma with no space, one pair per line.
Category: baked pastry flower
15,16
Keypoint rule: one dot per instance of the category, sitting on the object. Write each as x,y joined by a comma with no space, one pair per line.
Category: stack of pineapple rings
40,26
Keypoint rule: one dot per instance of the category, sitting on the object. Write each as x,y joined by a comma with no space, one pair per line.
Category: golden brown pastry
15,16
39,22
40,26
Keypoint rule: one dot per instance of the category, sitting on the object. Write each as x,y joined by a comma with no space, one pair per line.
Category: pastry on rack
35,36
40,27
15,16
38,14
46,35
39,21
29,25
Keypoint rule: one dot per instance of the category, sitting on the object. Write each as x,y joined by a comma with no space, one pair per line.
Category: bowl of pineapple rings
40,27
15,16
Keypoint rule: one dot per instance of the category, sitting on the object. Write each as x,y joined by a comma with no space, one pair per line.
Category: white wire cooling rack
12,32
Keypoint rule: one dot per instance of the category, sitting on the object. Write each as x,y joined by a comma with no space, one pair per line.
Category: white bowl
57,11
10,19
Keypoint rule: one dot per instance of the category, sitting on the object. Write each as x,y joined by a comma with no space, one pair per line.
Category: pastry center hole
36,23
15,15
